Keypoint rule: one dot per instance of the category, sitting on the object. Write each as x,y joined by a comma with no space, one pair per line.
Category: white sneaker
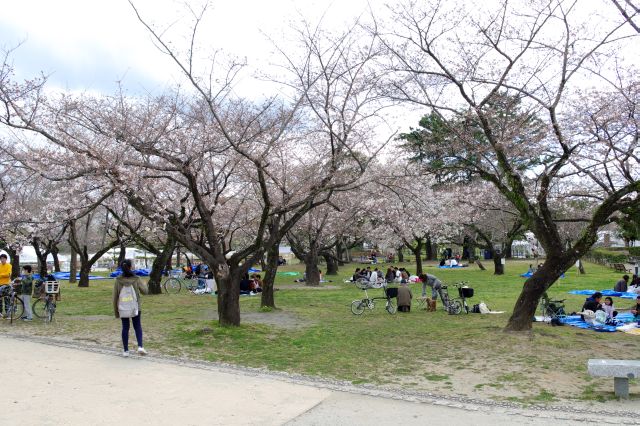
125,354
141,351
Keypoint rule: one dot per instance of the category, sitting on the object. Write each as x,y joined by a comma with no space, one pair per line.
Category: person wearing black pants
129,279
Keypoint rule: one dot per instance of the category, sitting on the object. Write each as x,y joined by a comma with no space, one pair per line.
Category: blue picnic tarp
528,274
67,275
452,267
605,293
576,321
138,272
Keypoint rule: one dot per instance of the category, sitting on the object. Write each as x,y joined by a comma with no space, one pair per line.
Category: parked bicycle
177,280
45,307
11,302
454,306
358,306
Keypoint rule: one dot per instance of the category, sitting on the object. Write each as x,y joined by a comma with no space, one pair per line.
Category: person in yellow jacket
5,279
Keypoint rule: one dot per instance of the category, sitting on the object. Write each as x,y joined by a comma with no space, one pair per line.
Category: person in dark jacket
593,303
404,298
621,285
27,289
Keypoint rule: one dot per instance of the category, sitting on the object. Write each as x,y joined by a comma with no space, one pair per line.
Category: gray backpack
127,302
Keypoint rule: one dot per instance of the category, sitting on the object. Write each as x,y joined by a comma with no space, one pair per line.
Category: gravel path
84,384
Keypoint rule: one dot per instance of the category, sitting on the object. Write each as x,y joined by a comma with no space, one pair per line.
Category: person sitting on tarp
635,310
245,285
621,285
592,303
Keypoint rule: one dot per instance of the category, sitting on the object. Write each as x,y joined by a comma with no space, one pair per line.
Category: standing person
5,278
27,289
404,298
126,305
621,285
433,282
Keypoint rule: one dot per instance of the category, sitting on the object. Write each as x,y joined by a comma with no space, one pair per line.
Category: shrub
606,256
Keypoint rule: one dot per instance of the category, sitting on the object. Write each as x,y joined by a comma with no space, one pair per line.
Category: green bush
634,251
606,256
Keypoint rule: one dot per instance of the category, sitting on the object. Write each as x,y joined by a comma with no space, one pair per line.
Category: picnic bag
127,302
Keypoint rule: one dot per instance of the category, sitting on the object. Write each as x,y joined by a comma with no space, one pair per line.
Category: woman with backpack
126,305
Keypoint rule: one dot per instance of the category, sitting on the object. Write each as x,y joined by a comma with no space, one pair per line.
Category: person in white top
374,276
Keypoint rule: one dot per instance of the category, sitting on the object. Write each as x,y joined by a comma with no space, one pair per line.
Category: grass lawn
313,332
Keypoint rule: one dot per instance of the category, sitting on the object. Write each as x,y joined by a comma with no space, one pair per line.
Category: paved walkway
53,384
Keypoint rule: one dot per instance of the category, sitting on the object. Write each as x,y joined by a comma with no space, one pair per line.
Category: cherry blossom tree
535,59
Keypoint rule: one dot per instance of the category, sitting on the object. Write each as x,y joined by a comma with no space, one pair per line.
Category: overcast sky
88,45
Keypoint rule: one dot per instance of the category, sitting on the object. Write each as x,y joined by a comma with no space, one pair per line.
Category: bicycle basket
465,292
175,273
51,287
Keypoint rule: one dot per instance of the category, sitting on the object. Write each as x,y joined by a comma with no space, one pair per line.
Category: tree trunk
56,259
400,254
85,269
267,296
311,268
429,249
480,265
497,263
417,252
332,265
525,307
123,254
581,267
15,262
507,249
228,281
73,266
155,276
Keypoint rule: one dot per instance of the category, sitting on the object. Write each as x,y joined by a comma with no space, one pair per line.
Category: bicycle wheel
50,310
455,307
390,307
16,309
39,308
172,285
190,284
357,307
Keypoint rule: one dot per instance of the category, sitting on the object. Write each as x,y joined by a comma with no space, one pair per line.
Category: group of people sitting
624,286
250,285
393,274
594,303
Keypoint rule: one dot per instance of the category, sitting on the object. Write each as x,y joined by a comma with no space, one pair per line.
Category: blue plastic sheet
452,267
138,272
528,274
66,276
605,293
576,321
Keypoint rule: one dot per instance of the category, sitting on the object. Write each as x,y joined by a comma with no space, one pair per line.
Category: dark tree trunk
429,249
228,296
417,252
507,249
267,296
15,262
400,255
525,307
155,276
56,259
332,264
498,267
73,266
85,269
340,252
480,265
311,267
581,267
467,249
123,254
